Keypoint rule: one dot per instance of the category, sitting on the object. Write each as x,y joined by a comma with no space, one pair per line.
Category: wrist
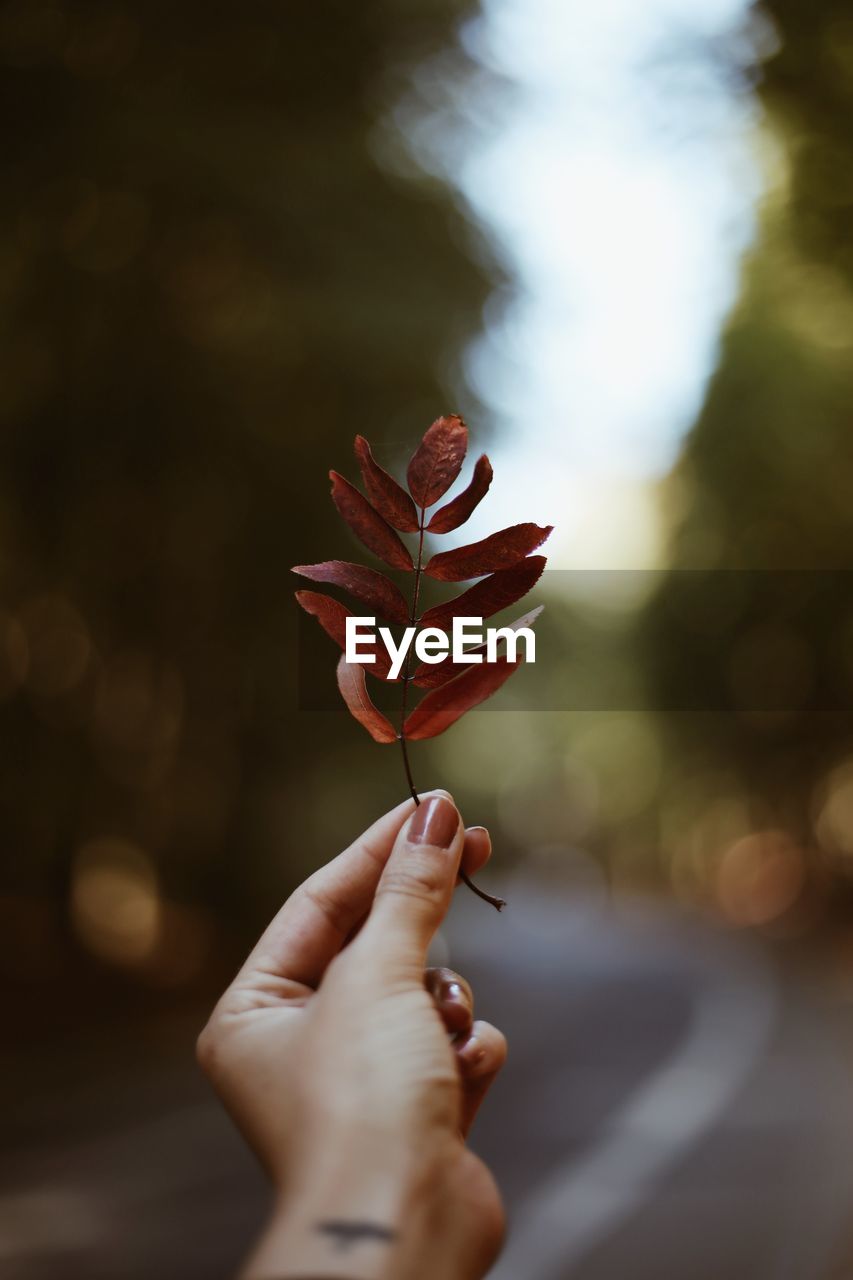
364,1220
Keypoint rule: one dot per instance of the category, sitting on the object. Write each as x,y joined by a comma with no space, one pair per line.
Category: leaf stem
407,663
497,903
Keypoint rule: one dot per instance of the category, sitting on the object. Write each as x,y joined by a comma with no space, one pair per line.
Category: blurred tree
808,89
766,474
208,286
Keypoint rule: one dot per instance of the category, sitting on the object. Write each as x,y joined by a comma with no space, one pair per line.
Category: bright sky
620,181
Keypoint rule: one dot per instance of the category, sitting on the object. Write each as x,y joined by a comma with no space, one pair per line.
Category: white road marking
583,1202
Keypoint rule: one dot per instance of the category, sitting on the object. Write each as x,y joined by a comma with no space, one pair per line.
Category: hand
332,1053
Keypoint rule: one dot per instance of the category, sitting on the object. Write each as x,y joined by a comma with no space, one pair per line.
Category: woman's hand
331,1049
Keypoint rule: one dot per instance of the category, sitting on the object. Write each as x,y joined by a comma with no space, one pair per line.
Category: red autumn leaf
458,510
430,675
437,460
367,524
388,497
332,616
499,551
503,561
443,706
501,589
353,686
379,595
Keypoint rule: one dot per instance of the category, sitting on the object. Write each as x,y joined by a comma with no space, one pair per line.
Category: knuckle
419,878
206,1047
335,911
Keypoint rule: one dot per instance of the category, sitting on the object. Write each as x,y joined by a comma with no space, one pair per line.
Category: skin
355,1074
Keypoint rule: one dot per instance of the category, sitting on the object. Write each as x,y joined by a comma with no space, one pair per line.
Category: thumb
416,886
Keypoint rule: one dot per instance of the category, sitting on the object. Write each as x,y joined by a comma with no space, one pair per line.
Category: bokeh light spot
115,908
760,877
834,825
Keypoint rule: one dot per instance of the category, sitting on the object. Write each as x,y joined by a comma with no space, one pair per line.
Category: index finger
312,926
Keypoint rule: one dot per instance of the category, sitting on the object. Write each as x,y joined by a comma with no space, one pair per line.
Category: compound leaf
437,460
353,686
368,525
457,511
444,706
332,616
500,550
430,675
388,497
501,589
378,594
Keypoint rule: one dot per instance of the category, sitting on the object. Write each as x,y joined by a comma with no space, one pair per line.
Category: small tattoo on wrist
345,1233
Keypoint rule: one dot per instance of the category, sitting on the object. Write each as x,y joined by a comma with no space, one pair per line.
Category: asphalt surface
670,1107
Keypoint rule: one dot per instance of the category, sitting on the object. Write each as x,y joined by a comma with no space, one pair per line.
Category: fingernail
480,833
435,822
452,991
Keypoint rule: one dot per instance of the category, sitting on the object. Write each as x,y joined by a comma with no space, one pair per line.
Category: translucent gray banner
735,641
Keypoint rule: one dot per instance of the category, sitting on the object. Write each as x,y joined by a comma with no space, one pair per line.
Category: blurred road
671,1108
